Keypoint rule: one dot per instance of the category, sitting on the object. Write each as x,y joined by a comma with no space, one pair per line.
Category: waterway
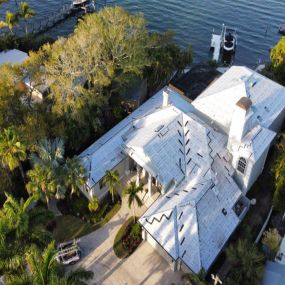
193,21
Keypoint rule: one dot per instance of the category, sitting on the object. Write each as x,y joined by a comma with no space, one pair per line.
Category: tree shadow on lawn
69,227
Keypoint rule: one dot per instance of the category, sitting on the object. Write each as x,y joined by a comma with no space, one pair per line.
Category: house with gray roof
202,156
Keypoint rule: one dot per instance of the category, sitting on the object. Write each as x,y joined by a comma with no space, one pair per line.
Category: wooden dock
67,10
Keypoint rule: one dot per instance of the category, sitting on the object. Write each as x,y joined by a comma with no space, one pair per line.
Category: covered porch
152,189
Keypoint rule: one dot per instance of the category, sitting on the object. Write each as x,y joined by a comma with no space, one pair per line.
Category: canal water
193,21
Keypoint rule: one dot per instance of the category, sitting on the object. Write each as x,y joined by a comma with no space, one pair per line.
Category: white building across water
202,156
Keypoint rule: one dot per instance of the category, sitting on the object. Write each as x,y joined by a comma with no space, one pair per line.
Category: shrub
271,239
135,231
93,204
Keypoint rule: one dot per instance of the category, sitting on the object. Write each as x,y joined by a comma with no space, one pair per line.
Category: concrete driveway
144,266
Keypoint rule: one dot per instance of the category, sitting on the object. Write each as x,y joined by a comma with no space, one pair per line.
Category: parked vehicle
68,252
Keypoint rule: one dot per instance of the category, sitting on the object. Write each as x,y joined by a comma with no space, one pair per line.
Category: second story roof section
174,146
107,151
219,100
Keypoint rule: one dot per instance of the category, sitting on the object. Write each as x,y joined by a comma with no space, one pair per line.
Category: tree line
82,78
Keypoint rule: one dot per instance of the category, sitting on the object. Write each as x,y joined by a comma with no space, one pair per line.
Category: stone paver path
144,266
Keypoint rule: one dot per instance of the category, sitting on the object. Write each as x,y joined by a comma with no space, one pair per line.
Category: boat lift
219,43
216,43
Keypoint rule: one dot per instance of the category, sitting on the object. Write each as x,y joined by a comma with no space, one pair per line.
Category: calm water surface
193,21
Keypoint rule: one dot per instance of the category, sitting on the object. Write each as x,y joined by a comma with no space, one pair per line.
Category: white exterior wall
257,168
277,124
122,168
147,237
252,171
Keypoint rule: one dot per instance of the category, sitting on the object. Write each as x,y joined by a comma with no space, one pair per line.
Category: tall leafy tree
25,12
12,150
277,55
247,263
133,198
106,51
112,178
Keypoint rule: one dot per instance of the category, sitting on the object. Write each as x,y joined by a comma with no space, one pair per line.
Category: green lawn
69,227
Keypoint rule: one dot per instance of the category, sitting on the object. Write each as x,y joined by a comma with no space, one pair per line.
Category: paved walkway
145,266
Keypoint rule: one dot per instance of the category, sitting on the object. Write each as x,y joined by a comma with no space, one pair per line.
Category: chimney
239,125
165,97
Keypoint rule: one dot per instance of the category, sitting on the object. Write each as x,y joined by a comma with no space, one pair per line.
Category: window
241,165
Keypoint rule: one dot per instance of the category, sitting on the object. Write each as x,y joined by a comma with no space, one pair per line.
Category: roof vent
224,211
159,128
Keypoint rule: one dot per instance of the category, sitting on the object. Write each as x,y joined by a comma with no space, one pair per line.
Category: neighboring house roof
274,274
218,101
13,56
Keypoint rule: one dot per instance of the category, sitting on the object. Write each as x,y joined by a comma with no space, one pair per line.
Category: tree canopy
277,55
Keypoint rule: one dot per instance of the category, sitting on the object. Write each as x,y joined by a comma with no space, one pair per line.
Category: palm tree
26,13
113,178
28,222
11,255
247,262
20,226
43,182
74,174
11,20
12,150
17,213
133,197
50,153
44,270
93,204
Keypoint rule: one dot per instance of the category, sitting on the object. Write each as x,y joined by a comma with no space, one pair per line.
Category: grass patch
78,206
124,243
69,227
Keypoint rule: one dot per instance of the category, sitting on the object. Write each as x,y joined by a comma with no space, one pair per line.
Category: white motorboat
79,3
229,39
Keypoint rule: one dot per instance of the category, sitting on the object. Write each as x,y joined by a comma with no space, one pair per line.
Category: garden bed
127,239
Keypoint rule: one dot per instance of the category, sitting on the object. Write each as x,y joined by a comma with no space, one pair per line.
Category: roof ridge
176,231
237,83
199,242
